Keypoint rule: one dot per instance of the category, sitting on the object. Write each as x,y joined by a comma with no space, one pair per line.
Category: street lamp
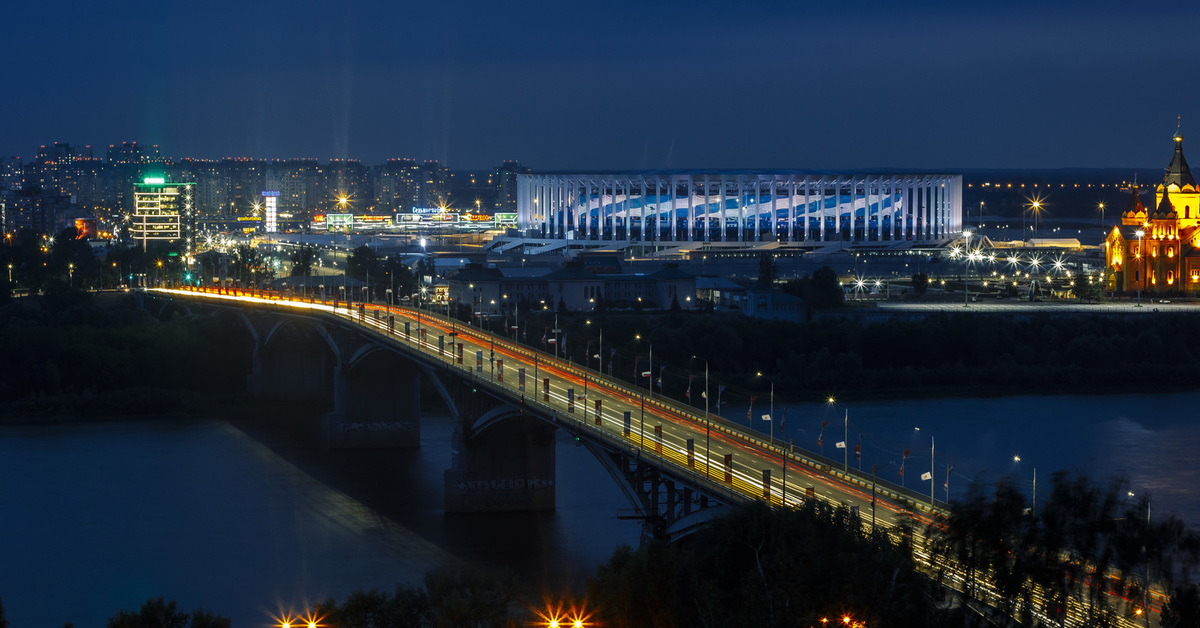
1101,219
1141,269
1036,209
771,416
707,417
845,444
650,384
600,351
967,271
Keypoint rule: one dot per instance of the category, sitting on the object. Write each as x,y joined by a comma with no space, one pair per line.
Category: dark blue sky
615,85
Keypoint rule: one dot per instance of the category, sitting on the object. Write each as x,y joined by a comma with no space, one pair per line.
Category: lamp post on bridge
650,368
707,417
600,350
771,416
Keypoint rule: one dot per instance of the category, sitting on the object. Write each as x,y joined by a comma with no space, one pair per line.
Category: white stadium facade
665,207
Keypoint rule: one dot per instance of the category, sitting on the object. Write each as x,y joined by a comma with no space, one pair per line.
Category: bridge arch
295,357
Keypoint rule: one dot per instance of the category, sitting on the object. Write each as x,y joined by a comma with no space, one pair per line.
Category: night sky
615,85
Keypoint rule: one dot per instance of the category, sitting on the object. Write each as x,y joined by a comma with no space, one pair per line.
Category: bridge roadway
658,430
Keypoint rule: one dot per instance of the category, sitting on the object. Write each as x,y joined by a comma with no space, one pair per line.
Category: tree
1183,607
399,277
824,290
408,606
361,262
768,270
3,620
1088,290
675,304
920,284
302,260
157,613
467,597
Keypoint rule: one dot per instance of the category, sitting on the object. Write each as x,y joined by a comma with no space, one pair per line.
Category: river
101,516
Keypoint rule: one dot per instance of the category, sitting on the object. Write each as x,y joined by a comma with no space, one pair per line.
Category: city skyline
862,85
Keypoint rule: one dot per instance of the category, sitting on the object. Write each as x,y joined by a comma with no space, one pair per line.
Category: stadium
671,209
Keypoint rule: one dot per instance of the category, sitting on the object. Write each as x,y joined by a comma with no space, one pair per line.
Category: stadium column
742,209
930,203
895,214
571,220
879,192
690,224
837,208
607,223
910,210
674,209
721,203
806,206
560,207
707,208
821,200
791,210
941,207
657,202
773,219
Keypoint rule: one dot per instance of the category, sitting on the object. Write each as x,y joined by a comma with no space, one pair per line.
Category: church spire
1178,173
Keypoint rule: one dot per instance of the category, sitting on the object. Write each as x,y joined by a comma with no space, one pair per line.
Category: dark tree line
1082,552
74,355
765,567
382,273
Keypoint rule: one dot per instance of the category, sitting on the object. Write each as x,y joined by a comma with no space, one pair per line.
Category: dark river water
100,517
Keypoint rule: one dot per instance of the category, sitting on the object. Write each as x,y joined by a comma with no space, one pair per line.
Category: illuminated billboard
339,222
269,212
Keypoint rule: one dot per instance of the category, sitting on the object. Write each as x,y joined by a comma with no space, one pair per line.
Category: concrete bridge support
375,406
503,460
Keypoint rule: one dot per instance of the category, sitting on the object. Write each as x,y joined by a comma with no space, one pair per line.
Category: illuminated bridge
507,399
675,466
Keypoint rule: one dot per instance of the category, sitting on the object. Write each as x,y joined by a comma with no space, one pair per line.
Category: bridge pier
374,408
502,460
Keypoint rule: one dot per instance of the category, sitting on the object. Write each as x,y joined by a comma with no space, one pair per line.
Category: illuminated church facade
1157,249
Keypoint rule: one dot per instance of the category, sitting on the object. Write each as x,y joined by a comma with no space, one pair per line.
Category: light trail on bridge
572,388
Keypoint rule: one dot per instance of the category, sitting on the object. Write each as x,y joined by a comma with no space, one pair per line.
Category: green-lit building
163,211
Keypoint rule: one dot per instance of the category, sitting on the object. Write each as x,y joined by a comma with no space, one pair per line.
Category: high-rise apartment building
434,190
245,181
67,170
126,164
11,172
295,179
397,185
163,212
346,188
505,181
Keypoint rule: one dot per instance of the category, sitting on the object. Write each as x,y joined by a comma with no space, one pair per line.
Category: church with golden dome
1157,249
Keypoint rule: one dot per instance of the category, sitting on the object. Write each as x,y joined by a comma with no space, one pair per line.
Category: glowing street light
1036,209
967,271
1141,267
771,416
